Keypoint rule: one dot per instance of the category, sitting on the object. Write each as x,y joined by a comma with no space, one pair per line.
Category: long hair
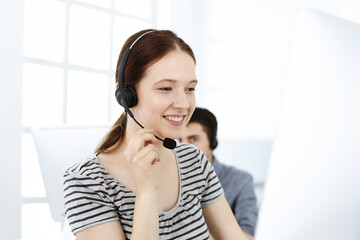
147,50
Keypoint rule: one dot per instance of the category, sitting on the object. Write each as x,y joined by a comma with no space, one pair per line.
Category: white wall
11,28
184,17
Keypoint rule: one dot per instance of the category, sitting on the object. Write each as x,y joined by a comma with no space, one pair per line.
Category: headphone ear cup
120,96
131,96
126,97
214,143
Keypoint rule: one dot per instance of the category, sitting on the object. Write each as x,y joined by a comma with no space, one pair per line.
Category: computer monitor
312,189
58,149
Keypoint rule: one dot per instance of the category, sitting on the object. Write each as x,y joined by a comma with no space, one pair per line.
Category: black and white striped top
93,196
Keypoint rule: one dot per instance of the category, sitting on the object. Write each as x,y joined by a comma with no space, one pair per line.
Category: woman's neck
131,130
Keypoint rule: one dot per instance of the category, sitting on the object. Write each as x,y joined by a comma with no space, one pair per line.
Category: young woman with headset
139,184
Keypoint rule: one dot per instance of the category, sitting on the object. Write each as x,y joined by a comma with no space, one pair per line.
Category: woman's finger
146,156
140,140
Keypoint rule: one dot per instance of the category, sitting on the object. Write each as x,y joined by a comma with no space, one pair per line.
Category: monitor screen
312,189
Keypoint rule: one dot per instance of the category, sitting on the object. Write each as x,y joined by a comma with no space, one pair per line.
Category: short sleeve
87,202
212,190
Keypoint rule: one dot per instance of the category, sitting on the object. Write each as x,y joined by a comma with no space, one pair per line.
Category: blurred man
237,184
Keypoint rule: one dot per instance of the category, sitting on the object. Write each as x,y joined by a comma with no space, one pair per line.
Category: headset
214,141
126,95
211,123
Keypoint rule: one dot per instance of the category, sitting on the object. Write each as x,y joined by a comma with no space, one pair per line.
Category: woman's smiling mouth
175,119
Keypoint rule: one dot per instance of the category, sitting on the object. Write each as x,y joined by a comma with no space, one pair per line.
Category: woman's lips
175,120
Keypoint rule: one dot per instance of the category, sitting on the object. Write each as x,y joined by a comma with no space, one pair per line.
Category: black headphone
126,94
213,140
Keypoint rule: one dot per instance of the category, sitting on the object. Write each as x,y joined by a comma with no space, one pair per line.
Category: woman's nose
181,100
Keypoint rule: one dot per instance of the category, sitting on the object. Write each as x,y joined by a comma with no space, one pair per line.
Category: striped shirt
93,196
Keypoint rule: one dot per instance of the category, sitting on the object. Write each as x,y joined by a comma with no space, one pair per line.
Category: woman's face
166,94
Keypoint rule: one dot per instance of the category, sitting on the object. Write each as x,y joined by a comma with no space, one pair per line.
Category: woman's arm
145,224
221,221
111,231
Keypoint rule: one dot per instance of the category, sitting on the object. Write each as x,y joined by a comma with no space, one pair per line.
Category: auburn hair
148,49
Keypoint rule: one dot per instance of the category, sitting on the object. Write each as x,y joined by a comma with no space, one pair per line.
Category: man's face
194,133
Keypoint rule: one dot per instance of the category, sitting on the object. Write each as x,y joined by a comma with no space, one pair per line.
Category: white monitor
312,189
57,150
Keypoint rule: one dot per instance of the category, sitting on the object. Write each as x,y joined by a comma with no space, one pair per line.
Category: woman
134,187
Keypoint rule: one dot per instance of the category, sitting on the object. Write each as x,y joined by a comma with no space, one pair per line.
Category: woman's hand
142,155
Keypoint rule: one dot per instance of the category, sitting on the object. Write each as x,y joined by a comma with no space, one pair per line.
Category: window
70,48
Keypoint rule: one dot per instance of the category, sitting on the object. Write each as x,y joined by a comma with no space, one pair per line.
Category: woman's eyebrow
173,81
165,80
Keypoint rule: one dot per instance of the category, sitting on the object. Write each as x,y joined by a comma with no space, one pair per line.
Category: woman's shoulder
189,155
187,152
89,174
87,167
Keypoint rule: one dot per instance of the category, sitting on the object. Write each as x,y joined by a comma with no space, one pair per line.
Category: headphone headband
140,38
126,95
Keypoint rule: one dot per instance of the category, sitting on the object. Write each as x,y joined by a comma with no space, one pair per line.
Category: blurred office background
57,69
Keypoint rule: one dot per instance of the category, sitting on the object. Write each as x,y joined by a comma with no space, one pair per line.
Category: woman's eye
165,89
190,89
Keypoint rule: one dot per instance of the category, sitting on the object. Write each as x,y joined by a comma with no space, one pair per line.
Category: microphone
167,142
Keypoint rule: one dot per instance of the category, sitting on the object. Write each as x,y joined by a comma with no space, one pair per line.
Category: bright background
58,60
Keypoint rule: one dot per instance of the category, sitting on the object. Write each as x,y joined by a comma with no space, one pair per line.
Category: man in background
237,184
